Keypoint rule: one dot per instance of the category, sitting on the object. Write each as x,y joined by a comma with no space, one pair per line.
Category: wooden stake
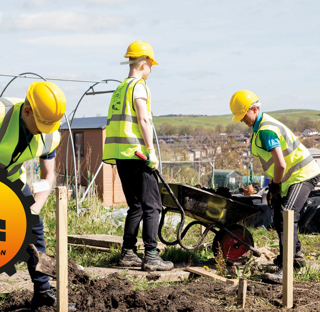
202,229
288,219
62,248
242,292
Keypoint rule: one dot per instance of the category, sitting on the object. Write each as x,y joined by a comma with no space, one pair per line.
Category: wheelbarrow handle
141,156
145,158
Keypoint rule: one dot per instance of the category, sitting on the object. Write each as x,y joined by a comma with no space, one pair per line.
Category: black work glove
273,195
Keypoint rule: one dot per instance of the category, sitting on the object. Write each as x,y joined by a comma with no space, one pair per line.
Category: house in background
310,131
88,135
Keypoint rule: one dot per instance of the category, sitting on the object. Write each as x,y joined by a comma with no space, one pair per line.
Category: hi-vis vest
123,135
300,165
9,136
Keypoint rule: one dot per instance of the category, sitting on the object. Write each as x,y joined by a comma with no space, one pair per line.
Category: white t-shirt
139,92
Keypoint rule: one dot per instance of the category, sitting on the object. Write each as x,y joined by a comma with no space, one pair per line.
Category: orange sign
13,213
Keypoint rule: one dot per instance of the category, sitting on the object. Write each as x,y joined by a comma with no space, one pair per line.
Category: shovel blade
47,264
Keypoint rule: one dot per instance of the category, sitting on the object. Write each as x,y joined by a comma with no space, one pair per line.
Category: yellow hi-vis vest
300,165
123,134
9,137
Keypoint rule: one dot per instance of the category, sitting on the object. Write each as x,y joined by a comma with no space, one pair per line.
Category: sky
206,50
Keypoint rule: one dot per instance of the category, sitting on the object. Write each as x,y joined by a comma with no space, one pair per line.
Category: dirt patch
115,293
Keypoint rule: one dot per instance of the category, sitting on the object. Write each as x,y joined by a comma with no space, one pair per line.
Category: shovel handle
141,156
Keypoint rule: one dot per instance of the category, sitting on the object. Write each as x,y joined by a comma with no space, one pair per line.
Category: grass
213,121
95,221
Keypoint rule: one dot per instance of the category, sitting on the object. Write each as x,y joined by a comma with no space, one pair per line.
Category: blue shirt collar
256,125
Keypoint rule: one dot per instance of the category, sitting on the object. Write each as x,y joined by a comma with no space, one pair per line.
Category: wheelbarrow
211,211
217,214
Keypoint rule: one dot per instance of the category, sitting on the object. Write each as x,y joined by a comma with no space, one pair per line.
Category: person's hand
273,195
152,161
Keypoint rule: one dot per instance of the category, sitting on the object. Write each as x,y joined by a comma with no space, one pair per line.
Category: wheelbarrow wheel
232,250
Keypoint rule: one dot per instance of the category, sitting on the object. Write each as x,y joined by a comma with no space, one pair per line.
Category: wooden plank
92,247
242,292
105,241
288,219
203,272
62,248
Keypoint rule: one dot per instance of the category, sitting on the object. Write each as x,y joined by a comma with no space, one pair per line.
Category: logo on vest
16,223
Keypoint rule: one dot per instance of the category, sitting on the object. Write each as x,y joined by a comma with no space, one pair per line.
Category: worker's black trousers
295,200
40,280
141,189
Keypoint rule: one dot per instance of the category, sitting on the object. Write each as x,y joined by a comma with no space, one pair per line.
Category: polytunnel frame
70,133
67,120
72,144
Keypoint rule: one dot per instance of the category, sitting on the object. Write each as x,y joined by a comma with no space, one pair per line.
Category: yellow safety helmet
48,104
240,103
140,48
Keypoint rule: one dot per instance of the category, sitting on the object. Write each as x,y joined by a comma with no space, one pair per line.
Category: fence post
62,248
288,219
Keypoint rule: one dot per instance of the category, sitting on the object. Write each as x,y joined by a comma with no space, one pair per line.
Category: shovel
46,264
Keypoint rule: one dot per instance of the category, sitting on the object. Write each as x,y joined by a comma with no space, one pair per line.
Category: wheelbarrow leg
256,252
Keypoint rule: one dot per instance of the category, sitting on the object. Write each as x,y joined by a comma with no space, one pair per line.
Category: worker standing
29,130
285,160
128,130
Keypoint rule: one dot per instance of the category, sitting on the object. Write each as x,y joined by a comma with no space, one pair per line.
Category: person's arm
47,173
279,164
146,131
145,126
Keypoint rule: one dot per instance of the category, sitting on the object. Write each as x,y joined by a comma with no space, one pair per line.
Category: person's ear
27,110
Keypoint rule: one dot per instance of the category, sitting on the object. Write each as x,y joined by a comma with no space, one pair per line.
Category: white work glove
152,161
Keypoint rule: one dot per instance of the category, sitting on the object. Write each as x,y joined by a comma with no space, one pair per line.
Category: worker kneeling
285,160
129,130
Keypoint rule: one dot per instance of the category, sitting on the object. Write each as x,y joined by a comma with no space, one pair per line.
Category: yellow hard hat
140,48
48,104
240,103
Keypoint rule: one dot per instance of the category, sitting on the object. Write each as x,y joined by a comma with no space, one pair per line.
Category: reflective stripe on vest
300,165
124,140
123,135
9,136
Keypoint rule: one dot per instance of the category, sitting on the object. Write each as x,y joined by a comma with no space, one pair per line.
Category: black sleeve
50,155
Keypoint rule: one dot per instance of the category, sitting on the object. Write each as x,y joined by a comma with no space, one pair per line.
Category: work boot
47,297
298,260
130,258
153,262
276,277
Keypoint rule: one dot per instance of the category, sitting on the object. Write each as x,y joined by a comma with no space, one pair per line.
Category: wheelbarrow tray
205,206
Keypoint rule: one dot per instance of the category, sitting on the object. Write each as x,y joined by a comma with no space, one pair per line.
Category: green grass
213,121
94,223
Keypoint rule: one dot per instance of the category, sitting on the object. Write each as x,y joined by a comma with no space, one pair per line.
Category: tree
167,129
305,123
219,129
185,130
199,130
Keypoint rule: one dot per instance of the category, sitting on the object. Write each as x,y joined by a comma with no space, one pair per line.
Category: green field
212,121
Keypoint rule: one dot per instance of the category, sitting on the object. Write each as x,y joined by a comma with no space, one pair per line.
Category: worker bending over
129,130
28,130
285,160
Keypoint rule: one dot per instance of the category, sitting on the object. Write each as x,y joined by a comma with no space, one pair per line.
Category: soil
115,293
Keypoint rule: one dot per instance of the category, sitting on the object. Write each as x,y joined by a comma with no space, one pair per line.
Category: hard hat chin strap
133,61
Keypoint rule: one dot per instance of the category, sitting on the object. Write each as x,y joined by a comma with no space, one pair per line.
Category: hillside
213,121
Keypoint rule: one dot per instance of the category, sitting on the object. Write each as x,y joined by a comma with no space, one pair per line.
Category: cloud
88,41
61,21
106,2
